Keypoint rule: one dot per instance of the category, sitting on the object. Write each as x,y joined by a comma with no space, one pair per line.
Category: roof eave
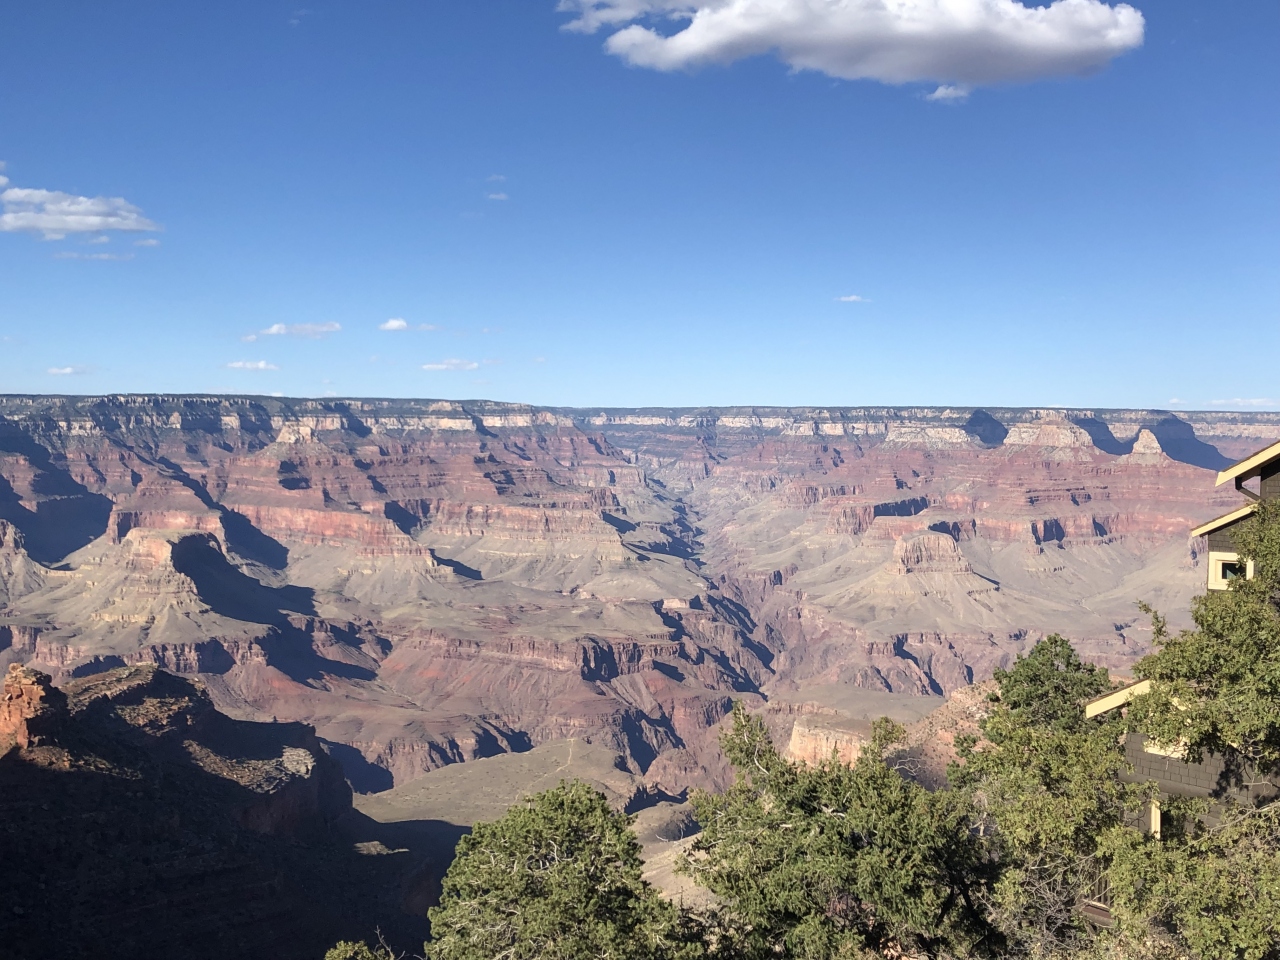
1251,466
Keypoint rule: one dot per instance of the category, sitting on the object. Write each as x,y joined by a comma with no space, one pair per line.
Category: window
1225,567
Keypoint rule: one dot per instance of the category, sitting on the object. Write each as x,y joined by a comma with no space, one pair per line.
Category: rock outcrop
32,710
814,740
137,820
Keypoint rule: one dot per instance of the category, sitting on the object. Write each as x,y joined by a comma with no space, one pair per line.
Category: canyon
432,582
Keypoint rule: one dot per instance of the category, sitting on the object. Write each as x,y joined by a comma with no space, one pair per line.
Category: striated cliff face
428,582
815,740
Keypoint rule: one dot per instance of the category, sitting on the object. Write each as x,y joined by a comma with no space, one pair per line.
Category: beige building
1163,764
1224,562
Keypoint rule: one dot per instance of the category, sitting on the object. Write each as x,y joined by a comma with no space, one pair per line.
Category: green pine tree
556,878
1042,784
833,861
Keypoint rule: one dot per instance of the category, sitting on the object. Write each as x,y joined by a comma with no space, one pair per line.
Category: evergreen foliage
1217,890
346,950
556,878
1042,785
832,860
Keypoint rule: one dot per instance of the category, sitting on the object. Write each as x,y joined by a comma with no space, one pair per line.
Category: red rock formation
32,710
431,581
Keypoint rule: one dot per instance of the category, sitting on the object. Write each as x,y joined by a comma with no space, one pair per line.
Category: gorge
431,582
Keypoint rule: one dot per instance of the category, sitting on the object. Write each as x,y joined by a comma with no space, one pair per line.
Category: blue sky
660,212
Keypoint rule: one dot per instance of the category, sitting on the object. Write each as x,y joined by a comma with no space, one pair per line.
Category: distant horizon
606,408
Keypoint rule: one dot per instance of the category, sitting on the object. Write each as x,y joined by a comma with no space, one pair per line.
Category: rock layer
428,582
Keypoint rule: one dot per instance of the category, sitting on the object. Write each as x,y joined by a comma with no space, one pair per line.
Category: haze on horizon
609,203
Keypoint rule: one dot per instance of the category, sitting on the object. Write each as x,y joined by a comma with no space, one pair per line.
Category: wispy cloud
55,214
311,331
67,371
1241,402
101,238
251,365
498,196
75,255
497,178
959,45
149,242
452,364
399,323
949,93
298,16
853,298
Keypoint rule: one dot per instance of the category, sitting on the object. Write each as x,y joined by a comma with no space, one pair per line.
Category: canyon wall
428,582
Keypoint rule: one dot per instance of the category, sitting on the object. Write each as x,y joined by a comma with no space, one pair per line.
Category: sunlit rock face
429,581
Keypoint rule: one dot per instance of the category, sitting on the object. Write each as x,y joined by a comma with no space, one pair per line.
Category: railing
1095,905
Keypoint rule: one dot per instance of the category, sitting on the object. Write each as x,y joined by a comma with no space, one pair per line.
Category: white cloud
396,323
452,364
853,298
251,365
497,178
55,214
74,255
1239,402
66,371
102,238
498,196
959,44
312,331
149,242
948,93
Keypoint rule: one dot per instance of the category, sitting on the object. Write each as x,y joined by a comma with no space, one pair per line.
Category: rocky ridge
139,821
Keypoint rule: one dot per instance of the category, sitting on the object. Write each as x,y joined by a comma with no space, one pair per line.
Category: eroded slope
431,581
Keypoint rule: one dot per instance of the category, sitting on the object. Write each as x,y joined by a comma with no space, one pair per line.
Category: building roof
1224,521
1116,698
1251,466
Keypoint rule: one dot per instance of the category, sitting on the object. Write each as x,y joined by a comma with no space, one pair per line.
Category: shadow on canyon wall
1102,436
121,841
231,593
65,517
986,429
242,536
1179,441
